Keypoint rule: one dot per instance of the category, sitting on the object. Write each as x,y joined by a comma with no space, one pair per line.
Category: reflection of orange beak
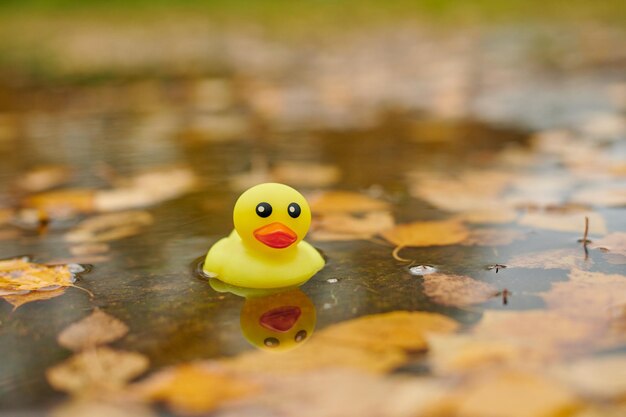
280,319
275,235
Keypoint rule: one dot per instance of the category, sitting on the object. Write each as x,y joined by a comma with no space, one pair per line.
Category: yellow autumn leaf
565,222
62,203
426,233
18,300
19,276
194,388
345,202
96,329
457,290
43,178
511,393
340,226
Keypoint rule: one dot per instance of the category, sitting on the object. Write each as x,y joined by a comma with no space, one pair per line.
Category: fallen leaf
89,249
146,189
451,354
62,203
588,295
548,333
345,202
305,174
396,330
471,191
107,227
489,216
19,276
96,372
457,290
427,233
18,300
553,259
602,378
493,237
82,407
43,178
340,226
565,222
96,329
613,242
194,388
515,394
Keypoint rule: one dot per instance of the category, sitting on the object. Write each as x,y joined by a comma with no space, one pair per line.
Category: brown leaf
515,394
43,178
96,372
18,300
96,329
493,237
62,203
427,233
345,202
588,295
146,189
194,388
305,174
108,227
457,290
565,222
552,259
339,226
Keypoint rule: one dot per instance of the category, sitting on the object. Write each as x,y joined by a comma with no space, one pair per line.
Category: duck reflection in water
273,320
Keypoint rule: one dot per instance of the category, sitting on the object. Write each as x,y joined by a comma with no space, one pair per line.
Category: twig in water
584,240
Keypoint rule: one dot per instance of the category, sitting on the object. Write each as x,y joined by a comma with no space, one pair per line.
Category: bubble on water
421,270
332,280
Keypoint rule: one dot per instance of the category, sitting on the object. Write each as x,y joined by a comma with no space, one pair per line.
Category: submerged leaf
345,202
108,227
553,259
18,300
96,372
194,388
96,329
457,290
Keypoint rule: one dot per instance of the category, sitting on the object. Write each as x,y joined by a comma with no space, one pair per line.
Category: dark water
150,282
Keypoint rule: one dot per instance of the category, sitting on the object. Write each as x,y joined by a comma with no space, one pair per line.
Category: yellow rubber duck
273,320
266,250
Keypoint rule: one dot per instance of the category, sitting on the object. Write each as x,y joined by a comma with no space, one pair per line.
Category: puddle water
175,317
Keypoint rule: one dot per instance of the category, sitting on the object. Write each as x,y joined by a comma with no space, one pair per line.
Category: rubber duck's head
278,322
271,218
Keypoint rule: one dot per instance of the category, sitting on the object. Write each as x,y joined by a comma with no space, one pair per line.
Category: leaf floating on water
305,174
427,233
345,202
396,330
457,290
108,227
62,203
511,393
565,222
194,388
341,226
599,377
97,371
18,277
82,407
588,295
146,189
493,237
489,216
552,259
96,329
43,178
19,300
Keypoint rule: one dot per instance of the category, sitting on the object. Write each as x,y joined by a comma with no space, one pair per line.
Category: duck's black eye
300,336
294,210
263,209
271,342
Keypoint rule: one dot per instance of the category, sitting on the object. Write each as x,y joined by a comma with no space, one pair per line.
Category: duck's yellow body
266,249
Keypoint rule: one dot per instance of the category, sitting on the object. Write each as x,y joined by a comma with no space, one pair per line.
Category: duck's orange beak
275,235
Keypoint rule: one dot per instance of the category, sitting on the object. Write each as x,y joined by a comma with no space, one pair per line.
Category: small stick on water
584,240
505,296
397,256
